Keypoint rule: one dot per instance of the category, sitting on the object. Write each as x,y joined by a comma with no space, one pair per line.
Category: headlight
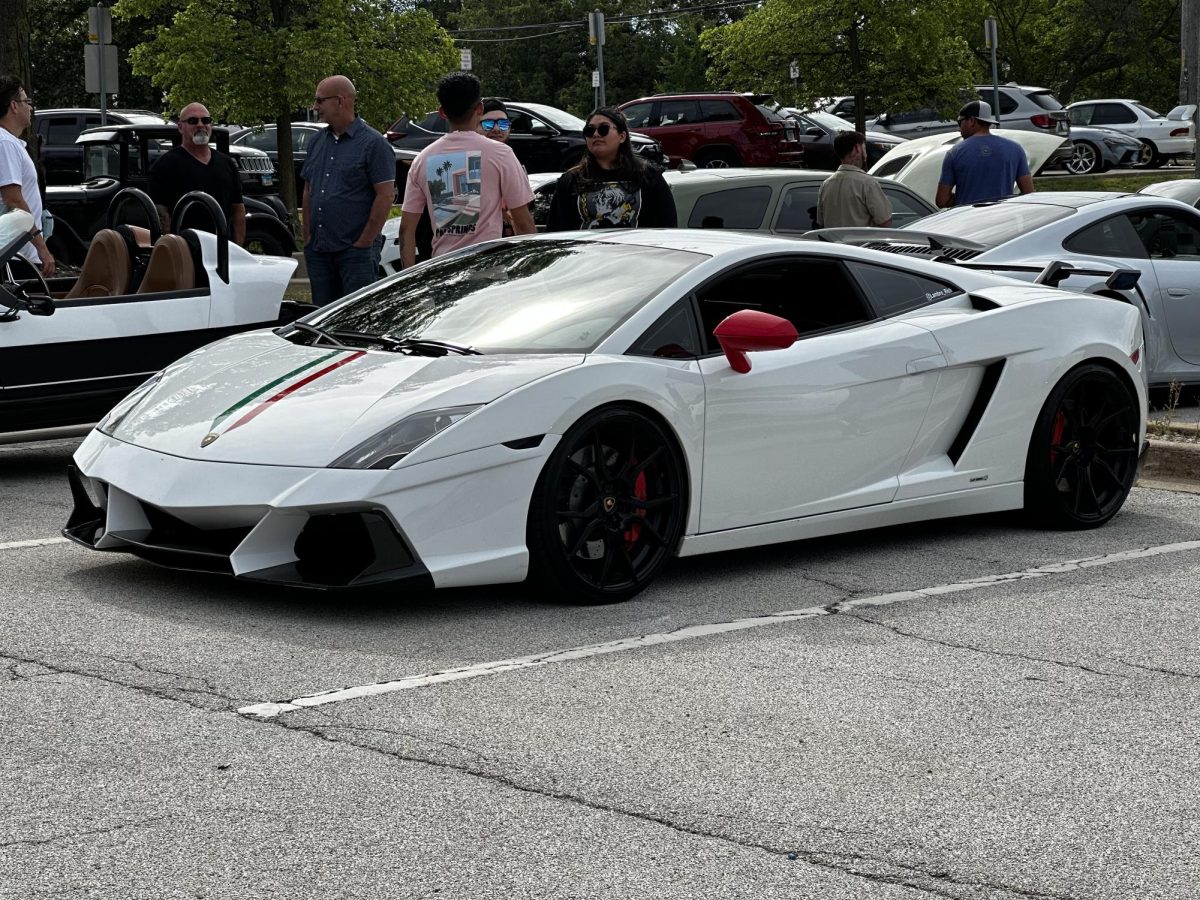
395,442
118,413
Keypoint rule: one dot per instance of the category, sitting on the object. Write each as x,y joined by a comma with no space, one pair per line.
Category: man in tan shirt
851,197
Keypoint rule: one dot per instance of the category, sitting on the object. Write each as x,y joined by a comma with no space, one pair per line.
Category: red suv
717,129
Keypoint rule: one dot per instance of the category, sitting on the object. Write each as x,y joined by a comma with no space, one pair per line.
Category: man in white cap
983,166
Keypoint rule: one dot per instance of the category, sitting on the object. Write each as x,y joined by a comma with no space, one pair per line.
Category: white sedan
578,409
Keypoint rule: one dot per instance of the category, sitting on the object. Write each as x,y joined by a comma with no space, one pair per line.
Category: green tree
888,54
256,60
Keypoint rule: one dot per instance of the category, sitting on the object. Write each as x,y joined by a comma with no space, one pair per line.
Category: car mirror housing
749,330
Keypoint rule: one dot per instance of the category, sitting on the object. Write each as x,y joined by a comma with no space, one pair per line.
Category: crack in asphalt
984,650
91,832
840,862
1173,672
178,694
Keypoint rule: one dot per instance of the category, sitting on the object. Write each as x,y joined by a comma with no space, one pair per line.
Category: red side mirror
750,329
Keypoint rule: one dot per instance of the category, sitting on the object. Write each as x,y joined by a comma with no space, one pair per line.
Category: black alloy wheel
608,510
1083,455
264,243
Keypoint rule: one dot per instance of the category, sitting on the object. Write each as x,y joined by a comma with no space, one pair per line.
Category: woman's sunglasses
489,124
196,120
602,130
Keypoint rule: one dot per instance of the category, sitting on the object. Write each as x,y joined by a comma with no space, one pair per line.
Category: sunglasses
602,130
198,120
489,124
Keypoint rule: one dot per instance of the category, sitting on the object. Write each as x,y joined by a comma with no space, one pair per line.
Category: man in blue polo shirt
982,166
349,181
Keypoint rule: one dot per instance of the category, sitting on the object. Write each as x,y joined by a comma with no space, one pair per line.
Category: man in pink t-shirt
464,179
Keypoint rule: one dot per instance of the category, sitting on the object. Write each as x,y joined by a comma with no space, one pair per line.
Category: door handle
926,364
1179,292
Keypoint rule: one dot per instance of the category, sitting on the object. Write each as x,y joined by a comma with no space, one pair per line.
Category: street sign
794,70
595,78
92,82
464,60
99,26
990,39
596,28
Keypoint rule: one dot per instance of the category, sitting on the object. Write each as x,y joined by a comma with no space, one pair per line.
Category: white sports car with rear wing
577,409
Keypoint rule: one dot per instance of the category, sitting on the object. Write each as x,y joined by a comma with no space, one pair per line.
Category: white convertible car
73,346
577,409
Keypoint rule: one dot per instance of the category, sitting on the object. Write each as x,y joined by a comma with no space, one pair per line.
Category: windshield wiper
313,329
427,346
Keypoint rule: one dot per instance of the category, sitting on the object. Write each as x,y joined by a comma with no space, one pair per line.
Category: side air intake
987,387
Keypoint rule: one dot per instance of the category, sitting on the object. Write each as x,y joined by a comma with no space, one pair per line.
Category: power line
649,15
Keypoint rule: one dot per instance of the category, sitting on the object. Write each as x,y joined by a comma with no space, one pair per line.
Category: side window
1117,236
718,111
1113,114
928,114
524,123
734,208
892,166
1007,103
63,130
904,208
798,211
815,295
673,336
264,140
1166,236
1081,115
639,115
679,112
893,291
300,139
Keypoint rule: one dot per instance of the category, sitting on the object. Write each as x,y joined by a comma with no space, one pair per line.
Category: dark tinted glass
734,208
679,112
1112,237
1167,236
638,115
1045,100
893,291
798,211
674,336
718,111
1113,114
63,131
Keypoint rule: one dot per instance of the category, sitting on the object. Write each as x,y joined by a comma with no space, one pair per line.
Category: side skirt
990,499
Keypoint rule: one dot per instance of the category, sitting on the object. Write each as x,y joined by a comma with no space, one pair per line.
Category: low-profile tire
608,510
1148,157
264,243
1087,159
717,158
1083,454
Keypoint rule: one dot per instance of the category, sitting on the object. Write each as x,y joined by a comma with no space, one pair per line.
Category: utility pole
596,38
1189,75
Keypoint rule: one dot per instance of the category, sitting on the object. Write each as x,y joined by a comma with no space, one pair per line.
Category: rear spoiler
860,236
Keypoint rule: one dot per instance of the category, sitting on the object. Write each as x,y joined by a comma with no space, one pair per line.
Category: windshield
829,121
557,296
991,224
560,119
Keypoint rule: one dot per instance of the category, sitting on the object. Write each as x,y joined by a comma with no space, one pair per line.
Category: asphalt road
967,709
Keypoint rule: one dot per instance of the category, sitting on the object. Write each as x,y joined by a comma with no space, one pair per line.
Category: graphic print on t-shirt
454,181
610,205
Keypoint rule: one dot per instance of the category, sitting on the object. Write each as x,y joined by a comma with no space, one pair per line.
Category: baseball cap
494,104
978,109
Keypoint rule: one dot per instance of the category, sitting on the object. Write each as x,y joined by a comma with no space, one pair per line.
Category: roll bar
132,193
192,198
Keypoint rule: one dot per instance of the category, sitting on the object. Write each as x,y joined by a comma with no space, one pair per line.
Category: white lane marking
37,542
269,710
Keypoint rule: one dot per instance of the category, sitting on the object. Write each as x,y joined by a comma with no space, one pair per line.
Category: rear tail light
1180,132
1042,121
1136,355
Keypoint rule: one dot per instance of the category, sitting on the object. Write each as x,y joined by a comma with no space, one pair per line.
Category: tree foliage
900,55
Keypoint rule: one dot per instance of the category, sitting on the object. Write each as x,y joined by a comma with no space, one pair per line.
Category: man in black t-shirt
195,166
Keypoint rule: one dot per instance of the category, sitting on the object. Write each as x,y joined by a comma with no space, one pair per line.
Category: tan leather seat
170,267
105,270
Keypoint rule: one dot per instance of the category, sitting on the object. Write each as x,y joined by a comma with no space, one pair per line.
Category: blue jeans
331,276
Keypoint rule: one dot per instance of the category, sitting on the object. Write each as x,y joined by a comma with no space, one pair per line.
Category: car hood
272,402
923,158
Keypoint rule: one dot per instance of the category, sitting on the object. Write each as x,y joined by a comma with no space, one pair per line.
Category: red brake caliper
639,491
1060,427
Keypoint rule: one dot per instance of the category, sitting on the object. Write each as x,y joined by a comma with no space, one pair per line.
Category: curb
1172,464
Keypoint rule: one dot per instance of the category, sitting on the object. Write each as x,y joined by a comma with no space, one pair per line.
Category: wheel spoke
641,467
633,575
1108,470
609,553
598,455
1103,423
1062,469
656,502
589,513
650,530
583,470
1087,480
584,533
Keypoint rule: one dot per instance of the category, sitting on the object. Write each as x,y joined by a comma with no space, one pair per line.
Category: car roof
1104,100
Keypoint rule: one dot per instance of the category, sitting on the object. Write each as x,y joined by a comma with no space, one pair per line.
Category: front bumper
449,522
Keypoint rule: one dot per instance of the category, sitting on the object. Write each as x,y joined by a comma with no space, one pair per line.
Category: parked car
58,129
491,416
1162,137
545,139
120,156
1100,149
73,346
718,129
1157,237
817,131
781,201
1022,108
265,138
1185,190
918,163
